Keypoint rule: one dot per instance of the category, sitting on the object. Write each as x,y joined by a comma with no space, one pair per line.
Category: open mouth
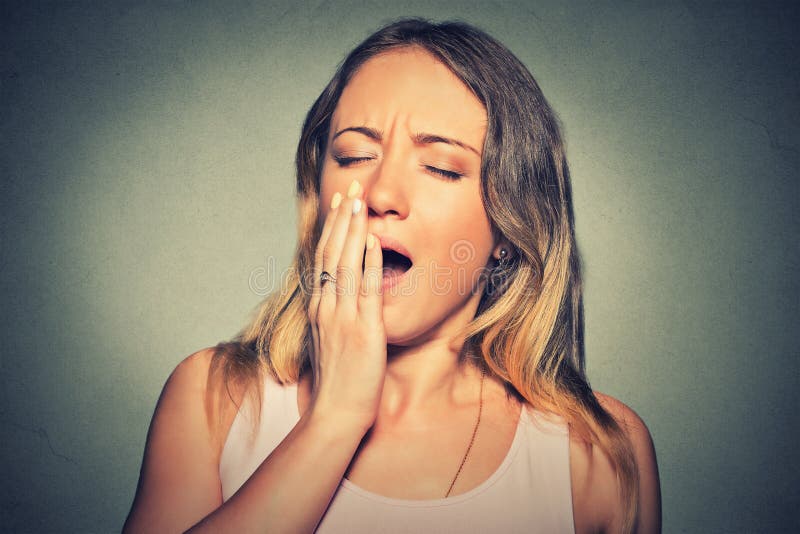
397,261
395,264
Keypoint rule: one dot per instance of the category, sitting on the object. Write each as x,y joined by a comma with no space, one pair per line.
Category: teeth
392,270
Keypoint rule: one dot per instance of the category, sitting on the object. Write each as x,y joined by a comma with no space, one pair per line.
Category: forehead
411,89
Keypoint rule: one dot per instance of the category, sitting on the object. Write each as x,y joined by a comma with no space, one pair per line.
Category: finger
317,269
348,269
370,305
333,249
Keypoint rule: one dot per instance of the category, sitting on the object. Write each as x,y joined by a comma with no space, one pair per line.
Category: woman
422,370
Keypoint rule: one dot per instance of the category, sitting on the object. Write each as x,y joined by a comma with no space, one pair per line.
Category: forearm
293,486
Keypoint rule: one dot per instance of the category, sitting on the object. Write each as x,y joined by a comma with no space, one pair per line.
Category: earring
502,262
498,275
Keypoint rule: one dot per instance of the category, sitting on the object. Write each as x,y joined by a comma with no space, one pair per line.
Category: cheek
463,244
467,236
328,186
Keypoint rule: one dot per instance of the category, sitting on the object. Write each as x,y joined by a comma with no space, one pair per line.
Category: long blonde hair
528,329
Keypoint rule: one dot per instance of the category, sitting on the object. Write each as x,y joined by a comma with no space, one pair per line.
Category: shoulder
199,387
631,423
188,386
190,376
185,391
198,401
183,448
596,493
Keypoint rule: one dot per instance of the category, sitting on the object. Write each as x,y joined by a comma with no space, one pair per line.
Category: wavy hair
528,329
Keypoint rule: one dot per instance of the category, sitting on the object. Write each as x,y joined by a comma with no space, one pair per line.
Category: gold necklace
472,439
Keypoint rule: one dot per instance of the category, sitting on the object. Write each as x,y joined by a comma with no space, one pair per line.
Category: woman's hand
346,316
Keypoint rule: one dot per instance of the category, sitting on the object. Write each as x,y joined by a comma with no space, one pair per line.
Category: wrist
335,427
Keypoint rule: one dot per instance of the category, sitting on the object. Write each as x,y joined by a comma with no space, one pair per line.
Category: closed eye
450,175
347,161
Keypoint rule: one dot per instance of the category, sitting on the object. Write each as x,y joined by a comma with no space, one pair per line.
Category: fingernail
370,241
336,200
356,206
353,189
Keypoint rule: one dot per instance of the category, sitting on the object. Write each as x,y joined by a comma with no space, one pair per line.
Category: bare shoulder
179,478
597,505
197,389
190,377
628,419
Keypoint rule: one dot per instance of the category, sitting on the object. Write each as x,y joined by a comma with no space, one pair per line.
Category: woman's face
411,133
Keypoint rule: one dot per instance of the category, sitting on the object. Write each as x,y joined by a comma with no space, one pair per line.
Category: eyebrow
419,138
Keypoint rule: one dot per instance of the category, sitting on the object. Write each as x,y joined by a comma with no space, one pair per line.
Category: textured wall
146,160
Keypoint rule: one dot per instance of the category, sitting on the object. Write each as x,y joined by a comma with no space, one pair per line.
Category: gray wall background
146,158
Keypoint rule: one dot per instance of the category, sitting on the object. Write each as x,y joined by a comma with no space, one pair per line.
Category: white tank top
529,492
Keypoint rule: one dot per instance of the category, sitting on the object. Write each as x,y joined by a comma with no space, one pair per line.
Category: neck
426,378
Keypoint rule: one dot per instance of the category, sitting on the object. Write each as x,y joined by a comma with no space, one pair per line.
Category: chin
401,332
399,339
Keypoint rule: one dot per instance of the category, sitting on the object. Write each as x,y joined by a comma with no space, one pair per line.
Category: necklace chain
472,439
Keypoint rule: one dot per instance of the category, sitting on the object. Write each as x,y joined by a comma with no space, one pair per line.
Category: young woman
422,370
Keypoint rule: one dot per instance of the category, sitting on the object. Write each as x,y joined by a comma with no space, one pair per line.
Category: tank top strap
546,458
253,435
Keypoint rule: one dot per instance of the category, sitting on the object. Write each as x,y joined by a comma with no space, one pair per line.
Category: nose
387,191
